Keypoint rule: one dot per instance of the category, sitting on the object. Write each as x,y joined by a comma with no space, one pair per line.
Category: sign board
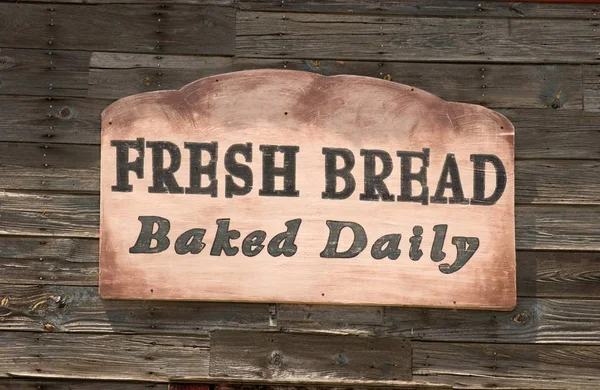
285,186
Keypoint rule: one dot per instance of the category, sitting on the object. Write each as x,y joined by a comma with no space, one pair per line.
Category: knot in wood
521,318
276,359
341,359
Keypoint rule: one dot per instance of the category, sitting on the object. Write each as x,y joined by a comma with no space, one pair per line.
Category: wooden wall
62,62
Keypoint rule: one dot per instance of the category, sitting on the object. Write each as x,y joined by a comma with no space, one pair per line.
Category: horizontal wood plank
540,133
75,168
557,227
74,262
558,134
340,386
541,227
51,119
115,75
54,215
80,309
260,355
366,37
591,88
57,384
150,28
43,72
68,261
478,9
532,321
101,356
502,366
558,274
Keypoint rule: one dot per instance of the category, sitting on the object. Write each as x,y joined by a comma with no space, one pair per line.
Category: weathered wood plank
49,214
51,119
115,75
345,37
57,384
540,133
555,133
479,9
50,166
238,354
567,321
149,28
95,356
557,227
66,261
227,3
591,88
558,274
532,321
304,386
74,261
542,227
500,366
325,314
75,168
43,72
557,181
80,309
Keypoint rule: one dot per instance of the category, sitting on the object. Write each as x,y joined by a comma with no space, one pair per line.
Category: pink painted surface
310,111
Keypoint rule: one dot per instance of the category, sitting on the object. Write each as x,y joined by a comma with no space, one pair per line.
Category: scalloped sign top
284,186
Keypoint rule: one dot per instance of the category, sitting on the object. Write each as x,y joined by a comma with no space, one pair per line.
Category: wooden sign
285,186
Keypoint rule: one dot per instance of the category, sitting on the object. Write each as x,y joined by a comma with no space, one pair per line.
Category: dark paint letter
222,238
391,243
437,254
286,238
197,169
464,254
190,242
142,245
332,173
479,161
450,169
162,178
124,166
375,188
238,170
358,245
288,171
407,177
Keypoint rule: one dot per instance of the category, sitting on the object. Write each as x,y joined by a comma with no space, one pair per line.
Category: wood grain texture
478,9
542,227
100,356
500,366
396,385
80,309
555,134
345,37
540,133
591,88
26,260
57,384
51,119
115,75
558,274
55,215
43,72
74,261
151,28
280,356
75,168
